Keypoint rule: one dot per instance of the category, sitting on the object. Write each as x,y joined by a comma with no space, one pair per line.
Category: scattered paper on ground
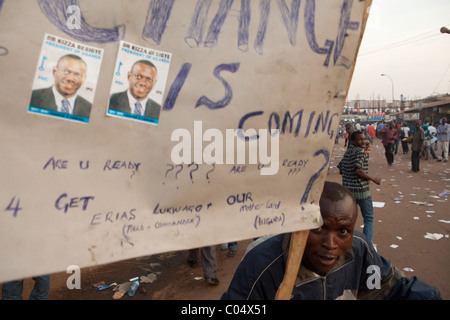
433,236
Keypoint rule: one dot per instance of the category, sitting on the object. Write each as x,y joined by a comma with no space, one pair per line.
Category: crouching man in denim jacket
338,262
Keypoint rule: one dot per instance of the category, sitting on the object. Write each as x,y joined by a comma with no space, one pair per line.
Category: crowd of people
422,139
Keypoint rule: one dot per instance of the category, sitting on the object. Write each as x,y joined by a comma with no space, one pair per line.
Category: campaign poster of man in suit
69,75
65,80
135,100
138,84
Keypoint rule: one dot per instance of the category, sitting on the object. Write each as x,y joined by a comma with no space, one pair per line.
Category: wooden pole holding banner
299,238
296,249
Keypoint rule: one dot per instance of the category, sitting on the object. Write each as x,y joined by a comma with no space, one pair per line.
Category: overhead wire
408,41
448,67
412,40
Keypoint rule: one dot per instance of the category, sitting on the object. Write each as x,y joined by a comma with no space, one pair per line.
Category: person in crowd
231,247
417,146
380,127
367,146
426,142
348,132
389,136
12,290
370,133
209,263
443,132
354,168
433,140
397,140
403,135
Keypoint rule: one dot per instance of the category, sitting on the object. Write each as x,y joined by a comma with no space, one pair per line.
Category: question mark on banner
181,168
313,178
170,165
134,172
190,173
207,174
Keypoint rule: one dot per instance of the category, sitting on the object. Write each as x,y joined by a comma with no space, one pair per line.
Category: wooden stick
296,249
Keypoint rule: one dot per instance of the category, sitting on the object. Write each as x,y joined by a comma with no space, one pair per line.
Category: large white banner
136,127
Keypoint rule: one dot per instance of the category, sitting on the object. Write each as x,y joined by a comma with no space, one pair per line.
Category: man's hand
360,173
376,180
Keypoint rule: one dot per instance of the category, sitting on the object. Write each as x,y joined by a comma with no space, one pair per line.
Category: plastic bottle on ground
134,287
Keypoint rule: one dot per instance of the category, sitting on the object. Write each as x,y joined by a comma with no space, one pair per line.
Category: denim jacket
360,274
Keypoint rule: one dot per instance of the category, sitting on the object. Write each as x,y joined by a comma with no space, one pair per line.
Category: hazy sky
402,39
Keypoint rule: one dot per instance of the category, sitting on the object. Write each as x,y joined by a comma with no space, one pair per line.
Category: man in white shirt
443,131
405,134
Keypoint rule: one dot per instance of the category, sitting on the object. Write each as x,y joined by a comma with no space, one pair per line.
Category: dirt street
400,226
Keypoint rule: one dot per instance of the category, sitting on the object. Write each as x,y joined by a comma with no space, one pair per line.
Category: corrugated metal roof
426,105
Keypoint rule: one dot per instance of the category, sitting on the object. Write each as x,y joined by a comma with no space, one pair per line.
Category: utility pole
385,75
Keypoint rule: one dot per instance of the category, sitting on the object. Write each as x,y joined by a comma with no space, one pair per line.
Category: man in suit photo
135,100
69,75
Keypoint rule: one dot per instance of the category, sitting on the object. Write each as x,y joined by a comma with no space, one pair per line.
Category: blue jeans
366,206
13,290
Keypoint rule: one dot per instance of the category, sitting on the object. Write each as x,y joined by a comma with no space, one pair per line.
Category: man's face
359,141
142,78
69,76
326,244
